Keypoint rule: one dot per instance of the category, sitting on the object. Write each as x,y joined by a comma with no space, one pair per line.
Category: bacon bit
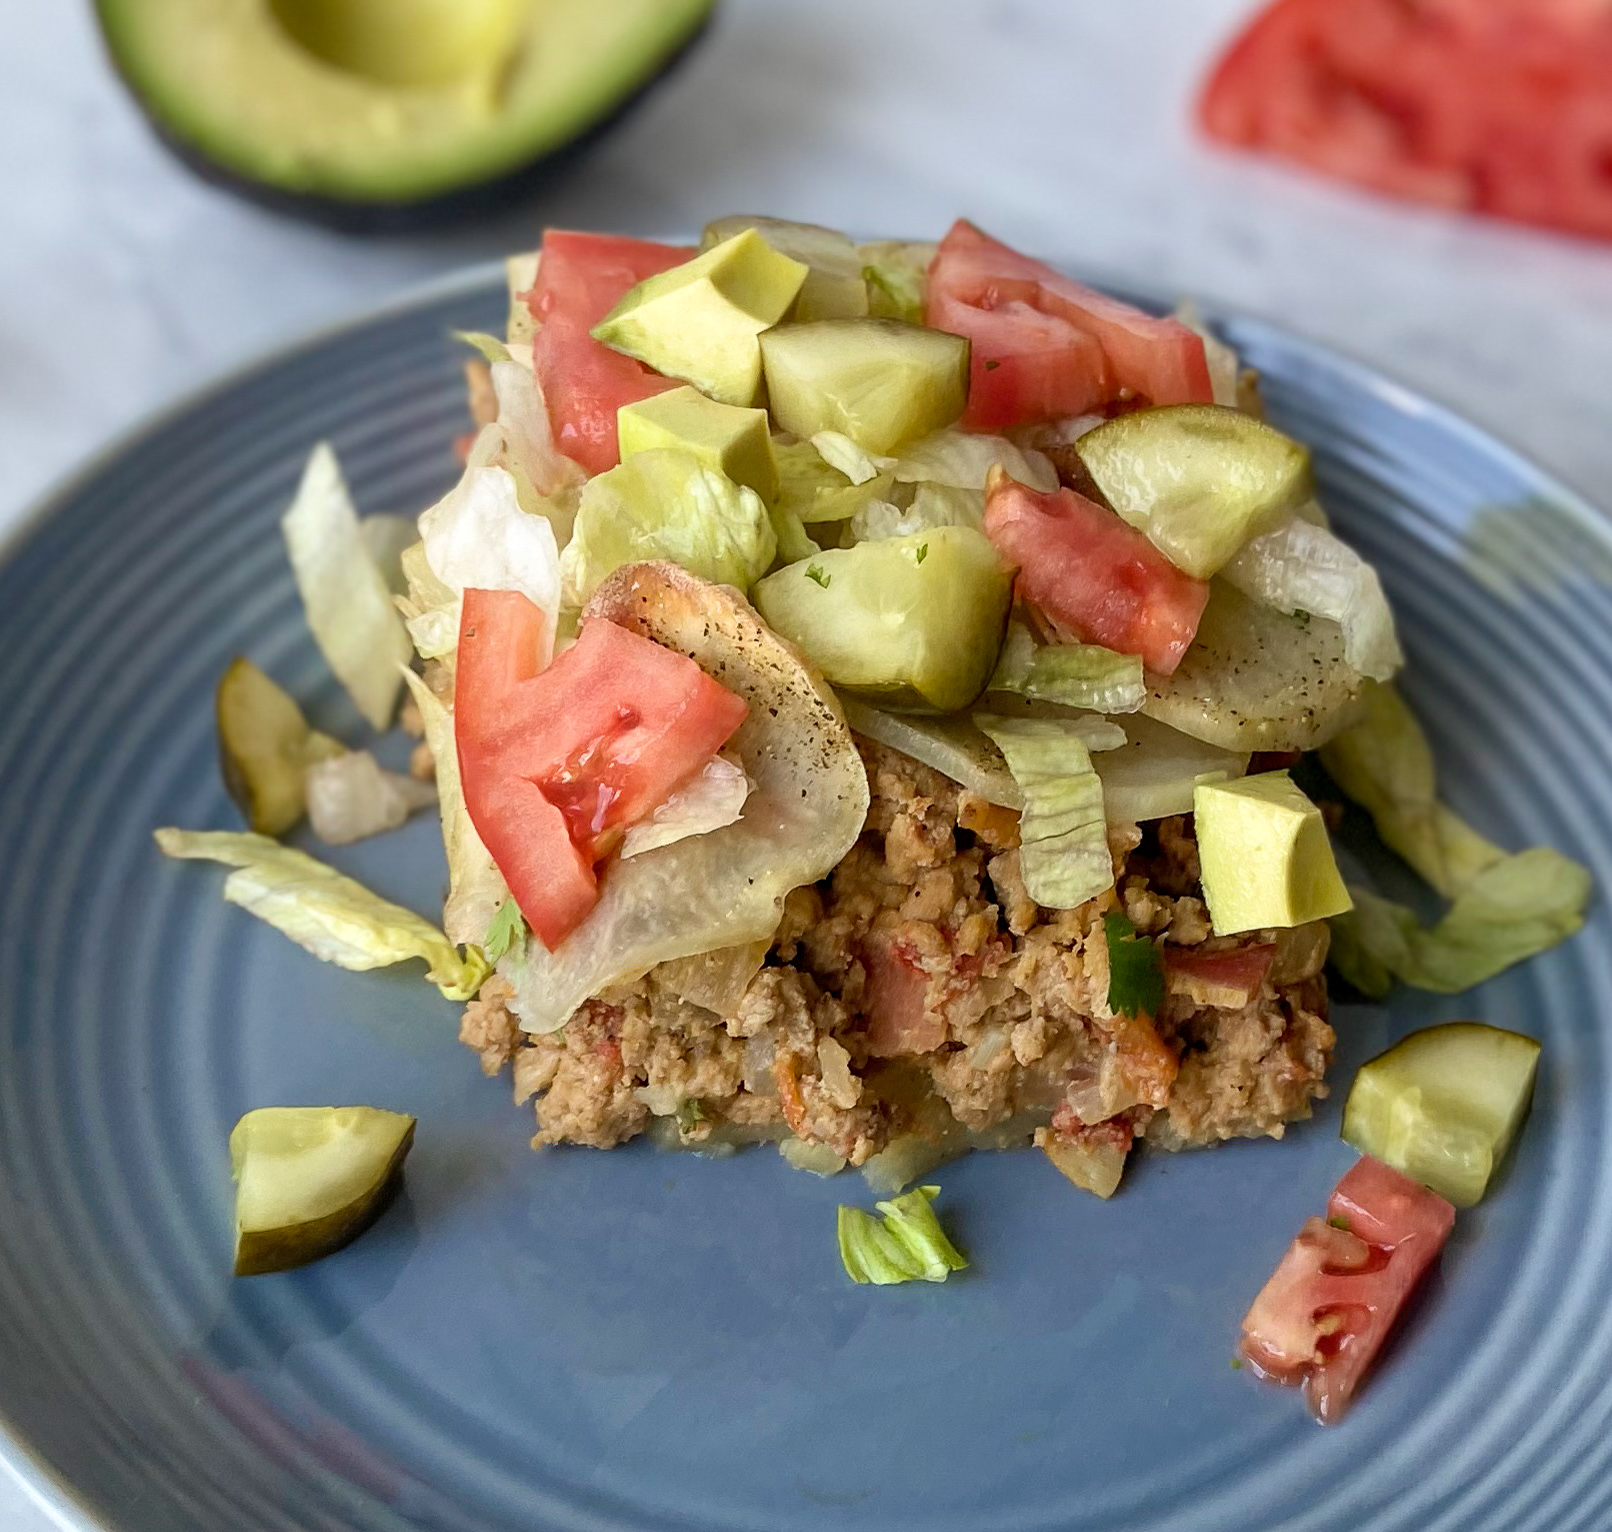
790,1097
1150,1066
610,1051
1116,1133
1227,979
895,999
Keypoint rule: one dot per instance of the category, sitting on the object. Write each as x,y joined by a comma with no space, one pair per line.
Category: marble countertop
1060,124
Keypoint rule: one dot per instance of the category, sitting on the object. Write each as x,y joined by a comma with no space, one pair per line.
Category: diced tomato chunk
1095,578
1047,346
895,999
558,762
1340,1289
579,280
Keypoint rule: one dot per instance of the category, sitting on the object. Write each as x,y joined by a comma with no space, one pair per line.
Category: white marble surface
1060,124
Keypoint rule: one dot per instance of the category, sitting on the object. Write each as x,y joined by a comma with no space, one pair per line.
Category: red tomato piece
1229,978
1499,106
1341,1287
895,998
579,280
558,762
1094,577
1047,346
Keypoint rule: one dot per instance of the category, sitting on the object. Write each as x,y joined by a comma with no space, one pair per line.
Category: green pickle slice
311,1179
1444,1104
913,623
1198,479
265,747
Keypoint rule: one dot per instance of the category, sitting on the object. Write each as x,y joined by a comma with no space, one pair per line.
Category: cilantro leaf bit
815,572
1135,970
507,933
908,1245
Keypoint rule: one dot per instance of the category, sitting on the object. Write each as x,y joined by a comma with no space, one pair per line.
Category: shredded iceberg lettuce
1063,835
814,490
964,460
713,799
528,448
1072,675
344,592
840,452
666,504
907,1245
492,349
1302,567
335,918
897,276
352,796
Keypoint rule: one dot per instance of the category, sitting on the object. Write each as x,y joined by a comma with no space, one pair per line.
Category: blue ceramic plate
585,1342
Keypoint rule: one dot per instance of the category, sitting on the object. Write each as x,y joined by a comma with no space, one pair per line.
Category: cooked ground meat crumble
919,992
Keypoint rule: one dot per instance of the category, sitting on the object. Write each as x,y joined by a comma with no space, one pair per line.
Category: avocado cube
700,320
879,381
726,437
834,288
1267,860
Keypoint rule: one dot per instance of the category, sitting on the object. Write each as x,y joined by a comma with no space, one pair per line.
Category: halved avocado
378,114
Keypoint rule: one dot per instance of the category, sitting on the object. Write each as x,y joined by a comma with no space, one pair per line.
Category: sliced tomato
1047,346
1496,105
1229,978
1095,578
558,762
1343,1284
579,280
895,999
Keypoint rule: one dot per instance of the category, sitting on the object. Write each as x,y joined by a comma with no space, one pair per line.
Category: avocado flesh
834,286
726,437
700,320
311,1179
1266,857
233,91
1444,1104
404,42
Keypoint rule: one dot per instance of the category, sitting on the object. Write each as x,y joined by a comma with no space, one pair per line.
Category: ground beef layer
919,994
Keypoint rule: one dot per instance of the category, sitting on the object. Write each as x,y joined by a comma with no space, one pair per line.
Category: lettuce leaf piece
793,542
526,446
964,460
1512,911
1385,764
933,505
908,1245
1073,675
325,912
429,606
1135,970
480,537
507,933
1301,567
520,277
344,593
715,798
897,275
815,490
387,537
840,452
1063,835
352,796
666,504
476,888
1156,772
952,746
492,349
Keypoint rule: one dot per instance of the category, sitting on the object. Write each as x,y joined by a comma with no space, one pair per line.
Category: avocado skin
476,201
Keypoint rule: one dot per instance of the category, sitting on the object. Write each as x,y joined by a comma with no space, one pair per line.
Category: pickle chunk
265,748
311,1179
879,381
913,623
1198,479
1444,1105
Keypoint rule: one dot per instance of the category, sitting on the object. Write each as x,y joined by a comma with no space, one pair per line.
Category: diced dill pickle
833,288
310,1179
1198,479
265,747
879,381
913,622
1444,1104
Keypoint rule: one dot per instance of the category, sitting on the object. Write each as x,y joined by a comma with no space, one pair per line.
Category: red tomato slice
1495,105
1047,346
579,280
1341,1287
558,762
1095,578
895,998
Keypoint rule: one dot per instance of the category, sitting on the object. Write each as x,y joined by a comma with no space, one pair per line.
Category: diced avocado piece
700,320
383,114
311,1179
913,623
726,437
879,381
265,748
1266,857
1199,479
1444,1104
833,289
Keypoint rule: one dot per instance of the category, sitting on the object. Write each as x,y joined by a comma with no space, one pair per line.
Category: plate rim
43,1486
